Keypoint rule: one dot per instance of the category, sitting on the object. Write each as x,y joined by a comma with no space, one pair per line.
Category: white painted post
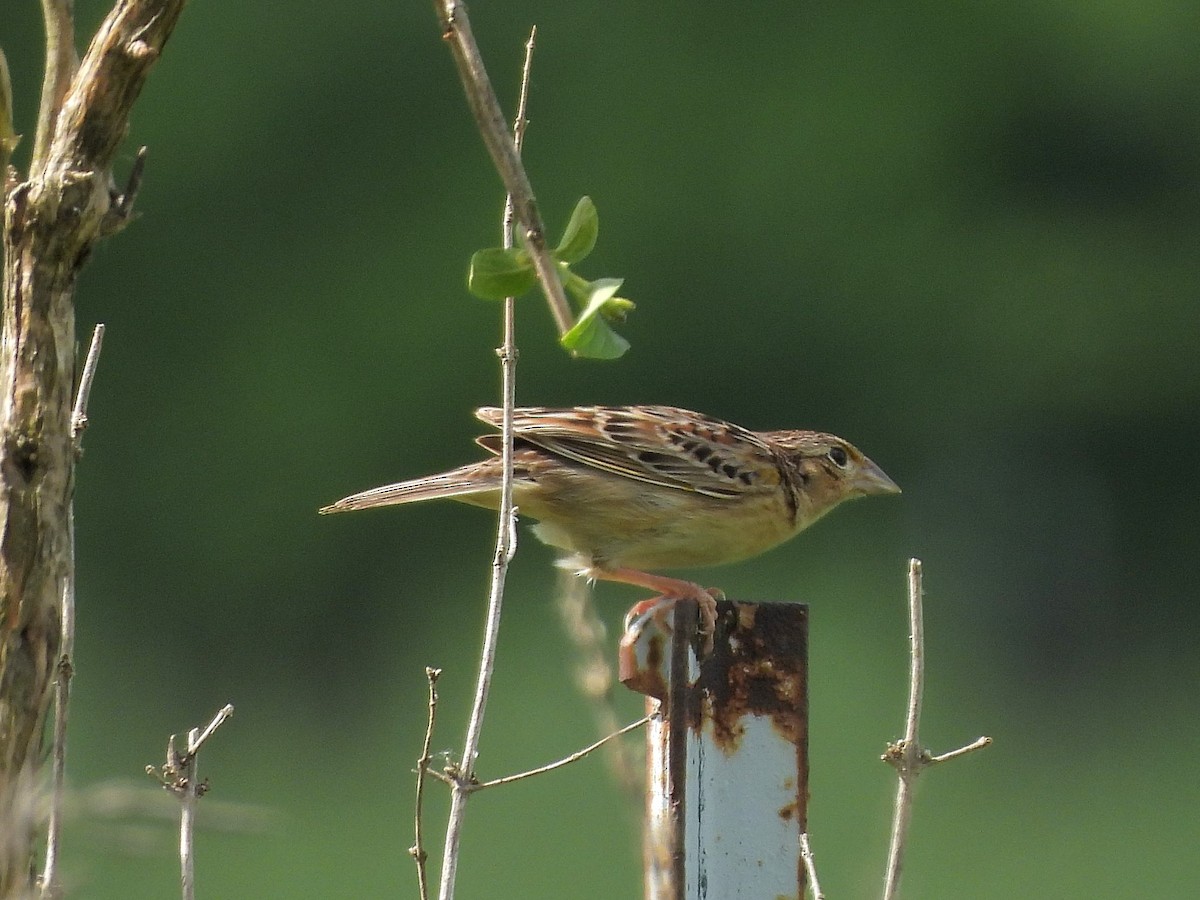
728,753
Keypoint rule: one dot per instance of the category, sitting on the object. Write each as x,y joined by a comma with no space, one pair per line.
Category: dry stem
417,850
53,216
565,761
66,660
505,529
453,777
187,821
505,152
810,867
907,756
178,775
61,63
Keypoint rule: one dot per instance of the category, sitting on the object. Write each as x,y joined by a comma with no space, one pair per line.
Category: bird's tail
475,479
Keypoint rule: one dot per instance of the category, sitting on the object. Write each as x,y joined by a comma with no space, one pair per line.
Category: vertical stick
53,216
910,747
66,660
907,756
178,775
505,544
417,850
505,153
187,819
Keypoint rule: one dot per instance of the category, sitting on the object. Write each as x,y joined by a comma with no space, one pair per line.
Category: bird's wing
661,445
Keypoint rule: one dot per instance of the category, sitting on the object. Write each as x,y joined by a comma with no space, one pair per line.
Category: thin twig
566,761
120,213
978,744
61,63
50,886
907,756
453,779
505,537
417,850
810,866
908,752
187,820
178,775
443,777
79,419
456,29
193,791
133,184
916,652
195,743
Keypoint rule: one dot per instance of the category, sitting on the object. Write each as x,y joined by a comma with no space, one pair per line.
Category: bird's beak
870,479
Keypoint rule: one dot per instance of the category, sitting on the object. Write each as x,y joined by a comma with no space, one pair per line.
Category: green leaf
591,336
575,285
580,237
500,272
617,309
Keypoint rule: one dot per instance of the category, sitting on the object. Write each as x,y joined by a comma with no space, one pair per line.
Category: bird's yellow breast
615,521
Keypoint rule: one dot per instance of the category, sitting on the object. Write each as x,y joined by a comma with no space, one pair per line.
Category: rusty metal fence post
727,792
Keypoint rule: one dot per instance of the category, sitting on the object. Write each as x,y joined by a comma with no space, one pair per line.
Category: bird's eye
838,456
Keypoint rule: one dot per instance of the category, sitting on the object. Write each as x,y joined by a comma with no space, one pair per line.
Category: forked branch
50,883
505,152
179,776
907,756
505,529
53,216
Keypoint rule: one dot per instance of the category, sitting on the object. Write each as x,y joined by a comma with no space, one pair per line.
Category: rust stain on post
758,668
728,758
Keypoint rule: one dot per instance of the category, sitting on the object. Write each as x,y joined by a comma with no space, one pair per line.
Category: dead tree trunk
53,216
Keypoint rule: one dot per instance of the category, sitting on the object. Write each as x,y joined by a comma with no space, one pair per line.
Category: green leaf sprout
500,272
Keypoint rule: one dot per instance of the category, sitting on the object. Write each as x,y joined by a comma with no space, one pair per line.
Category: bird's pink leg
668,588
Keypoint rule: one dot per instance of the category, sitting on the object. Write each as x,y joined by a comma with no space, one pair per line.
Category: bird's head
827,469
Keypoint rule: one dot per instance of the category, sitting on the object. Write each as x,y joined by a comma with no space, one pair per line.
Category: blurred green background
963,236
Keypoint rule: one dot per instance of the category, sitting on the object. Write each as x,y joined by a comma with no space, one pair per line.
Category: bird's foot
671,591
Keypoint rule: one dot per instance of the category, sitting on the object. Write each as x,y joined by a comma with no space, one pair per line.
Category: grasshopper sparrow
624,489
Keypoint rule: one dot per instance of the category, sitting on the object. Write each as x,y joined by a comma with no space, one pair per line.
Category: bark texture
52,219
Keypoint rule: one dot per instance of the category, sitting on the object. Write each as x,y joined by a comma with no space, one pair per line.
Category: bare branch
79,419
179,776
195,743
978,744
120,213
916,652
810,867
52,220
50,886
456,29
170,776
448,780
907,756
566,761
187,820
61,63
417,850
94,115
505,530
